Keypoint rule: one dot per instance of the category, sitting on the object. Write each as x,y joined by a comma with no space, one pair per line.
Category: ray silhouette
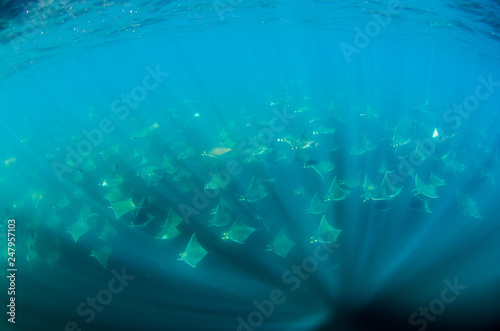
115,195
168,165
193,253
467,205
316,206
169,228
108,232
281,244
322,168
335,192
102,255
239,231
115,178
429,190
385,191
326,233
435,180
78,229
222,213
256,191
123,207
421,204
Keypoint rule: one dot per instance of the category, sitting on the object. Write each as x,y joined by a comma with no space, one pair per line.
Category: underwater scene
250,165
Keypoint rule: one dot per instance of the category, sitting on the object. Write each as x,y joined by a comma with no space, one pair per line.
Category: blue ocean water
250,165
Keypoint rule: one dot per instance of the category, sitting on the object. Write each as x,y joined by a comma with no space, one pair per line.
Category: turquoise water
250,165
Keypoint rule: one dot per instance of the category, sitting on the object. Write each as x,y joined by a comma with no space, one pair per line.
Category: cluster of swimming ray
139,179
